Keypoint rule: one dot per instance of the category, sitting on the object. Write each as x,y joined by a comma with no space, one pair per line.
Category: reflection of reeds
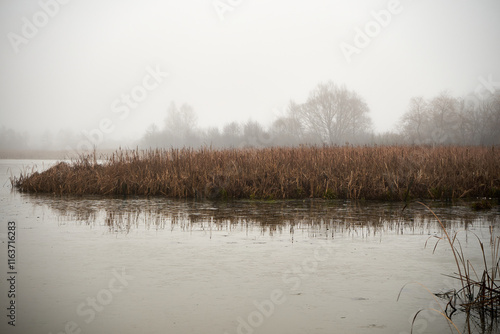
385,173
316,218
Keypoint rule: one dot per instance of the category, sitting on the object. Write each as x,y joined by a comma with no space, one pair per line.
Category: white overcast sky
247,66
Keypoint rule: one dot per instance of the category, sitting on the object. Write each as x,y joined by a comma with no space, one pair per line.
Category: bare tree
415,122
180,122
437,121
231,133
444,118
152,138
472,125
254,135
212,137
287,129
491,112
334,114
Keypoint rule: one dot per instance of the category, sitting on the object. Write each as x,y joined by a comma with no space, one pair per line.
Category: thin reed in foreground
479,295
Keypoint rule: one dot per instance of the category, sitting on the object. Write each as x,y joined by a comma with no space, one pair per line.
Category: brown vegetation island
331,172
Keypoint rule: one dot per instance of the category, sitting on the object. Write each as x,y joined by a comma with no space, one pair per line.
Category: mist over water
87,74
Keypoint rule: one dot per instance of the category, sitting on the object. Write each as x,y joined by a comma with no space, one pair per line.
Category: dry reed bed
384,173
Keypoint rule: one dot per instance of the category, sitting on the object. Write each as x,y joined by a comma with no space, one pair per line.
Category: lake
155,265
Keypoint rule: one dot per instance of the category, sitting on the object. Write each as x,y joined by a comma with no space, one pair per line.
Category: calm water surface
153,265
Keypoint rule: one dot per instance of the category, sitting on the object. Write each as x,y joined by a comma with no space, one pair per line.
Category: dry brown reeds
382,173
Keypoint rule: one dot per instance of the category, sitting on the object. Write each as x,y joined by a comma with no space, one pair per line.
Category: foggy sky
232,65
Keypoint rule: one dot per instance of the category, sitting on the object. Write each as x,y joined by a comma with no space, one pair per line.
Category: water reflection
288,221
314,218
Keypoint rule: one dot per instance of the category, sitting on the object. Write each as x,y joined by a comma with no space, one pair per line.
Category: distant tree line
12,140
331,115
445,119
334,115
